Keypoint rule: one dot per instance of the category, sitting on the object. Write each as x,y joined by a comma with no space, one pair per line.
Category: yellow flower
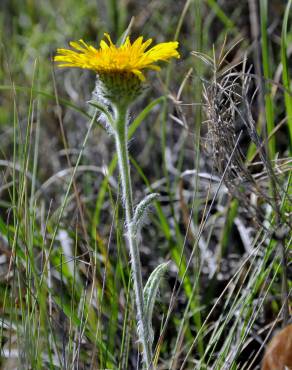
109,59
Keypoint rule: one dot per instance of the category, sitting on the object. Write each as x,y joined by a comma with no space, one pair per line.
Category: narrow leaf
102,108
141,210
150,293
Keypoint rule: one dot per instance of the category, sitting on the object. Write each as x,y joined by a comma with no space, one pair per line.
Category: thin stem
124,168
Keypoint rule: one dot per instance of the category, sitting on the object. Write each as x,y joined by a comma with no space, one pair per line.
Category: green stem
121,140
271,145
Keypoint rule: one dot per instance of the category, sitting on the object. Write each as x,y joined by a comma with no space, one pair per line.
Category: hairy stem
124,168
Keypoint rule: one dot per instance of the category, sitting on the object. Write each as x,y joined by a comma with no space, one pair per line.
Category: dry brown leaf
278,355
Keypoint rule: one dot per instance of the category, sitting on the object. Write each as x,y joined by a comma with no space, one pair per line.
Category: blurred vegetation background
66,298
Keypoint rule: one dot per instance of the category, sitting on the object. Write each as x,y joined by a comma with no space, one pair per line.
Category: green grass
66,290
268,76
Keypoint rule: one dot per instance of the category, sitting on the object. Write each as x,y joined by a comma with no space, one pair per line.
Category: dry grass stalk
228,102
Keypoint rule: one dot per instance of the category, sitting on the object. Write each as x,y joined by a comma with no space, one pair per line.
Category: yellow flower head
129,58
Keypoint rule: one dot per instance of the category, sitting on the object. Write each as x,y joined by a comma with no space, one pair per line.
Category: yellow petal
109,38
139,74
129,57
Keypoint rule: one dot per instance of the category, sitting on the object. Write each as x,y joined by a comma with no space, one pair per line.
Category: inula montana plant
120,76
